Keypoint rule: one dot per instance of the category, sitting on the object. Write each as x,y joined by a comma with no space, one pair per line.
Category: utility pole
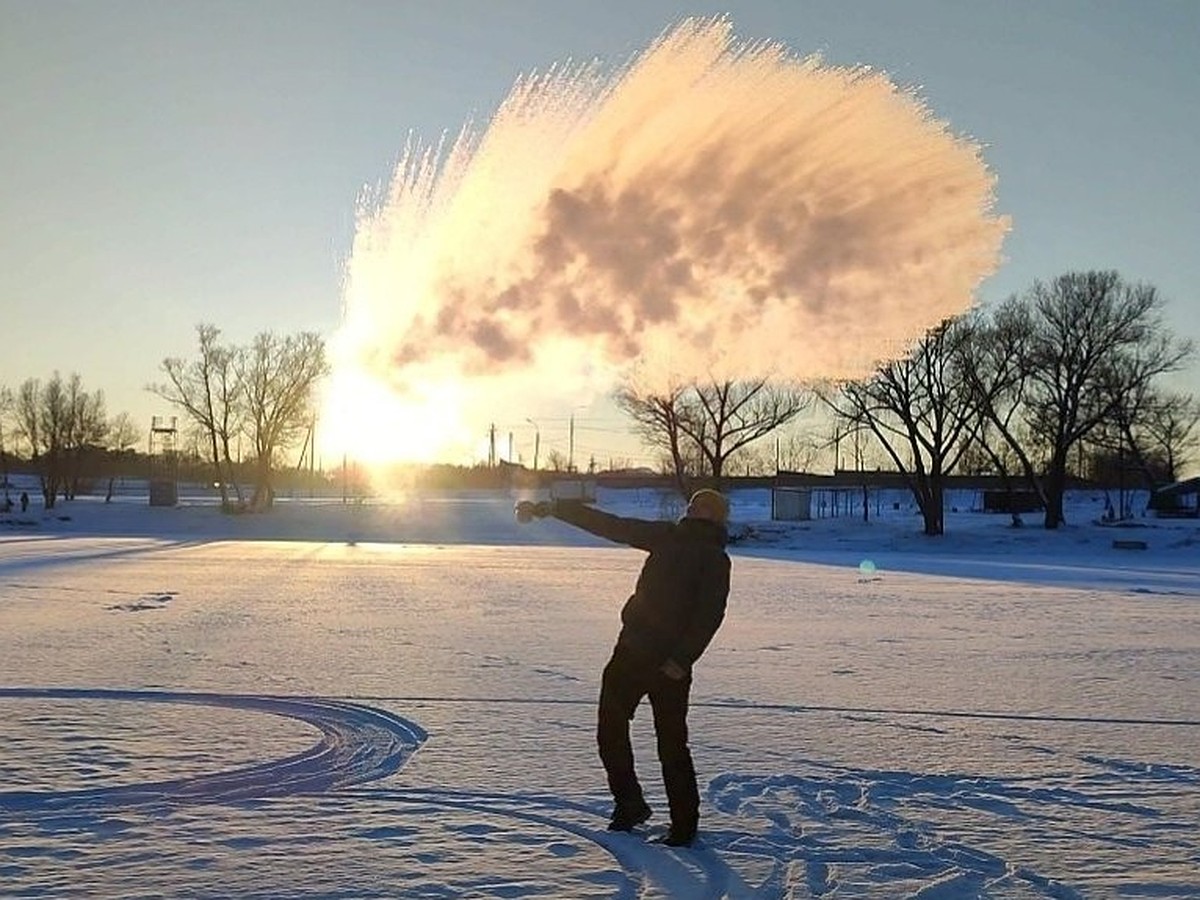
571,444
537,442
4,467
492,446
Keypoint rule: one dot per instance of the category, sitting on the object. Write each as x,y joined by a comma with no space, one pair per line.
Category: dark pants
626,680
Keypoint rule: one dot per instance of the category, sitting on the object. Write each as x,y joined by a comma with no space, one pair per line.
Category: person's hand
526,510
673,670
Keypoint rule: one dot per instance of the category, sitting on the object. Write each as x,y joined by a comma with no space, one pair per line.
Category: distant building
573,488
1178,500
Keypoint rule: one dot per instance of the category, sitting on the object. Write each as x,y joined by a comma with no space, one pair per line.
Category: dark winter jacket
680,597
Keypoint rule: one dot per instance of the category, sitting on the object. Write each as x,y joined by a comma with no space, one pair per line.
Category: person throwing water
676,608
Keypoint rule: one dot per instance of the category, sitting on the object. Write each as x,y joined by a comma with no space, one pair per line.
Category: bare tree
206,389
1171,428
755,460
724,417
1158,429
40,422
556,461
709,422
656,418
852,432
278,376
921,411
27,403
7,404
1096,341
123,433
58,421
798,453
989,454
994,361
85,433
123,436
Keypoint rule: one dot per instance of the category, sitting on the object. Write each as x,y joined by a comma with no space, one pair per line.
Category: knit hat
714,504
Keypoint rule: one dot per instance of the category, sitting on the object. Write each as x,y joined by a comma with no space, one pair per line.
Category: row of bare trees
62,428
263,391
1071,365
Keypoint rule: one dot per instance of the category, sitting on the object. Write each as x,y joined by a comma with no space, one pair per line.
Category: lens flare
712,208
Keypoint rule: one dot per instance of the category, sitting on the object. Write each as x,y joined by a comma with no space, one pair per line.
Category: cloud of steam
710,208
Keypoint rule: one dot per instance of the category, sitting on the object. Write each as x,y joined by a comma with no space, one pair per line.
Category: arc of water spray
713,206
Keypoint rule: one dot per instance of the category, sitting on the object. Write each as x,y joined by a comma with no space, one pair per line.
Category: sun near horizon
366,420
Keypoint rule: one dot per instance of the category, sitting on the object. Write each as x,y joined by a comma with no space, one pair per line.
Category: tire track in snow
358,744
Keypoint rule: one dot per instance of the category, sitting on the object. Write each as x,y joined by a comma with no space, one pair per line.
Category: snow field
188,714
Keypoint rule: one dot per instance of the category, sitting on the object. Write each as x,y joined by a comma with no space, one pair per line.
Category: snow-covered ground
397,700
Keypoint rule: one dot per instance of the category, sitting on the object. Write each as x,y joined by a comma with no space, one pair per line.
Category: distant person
24,501
676,608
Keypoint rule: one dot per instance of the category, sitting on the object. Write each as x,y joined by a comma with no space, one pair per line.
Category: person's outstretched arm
638,533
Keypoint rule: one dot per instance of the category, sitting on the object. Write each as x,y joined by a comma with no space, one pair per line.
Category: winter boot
629,814
679,836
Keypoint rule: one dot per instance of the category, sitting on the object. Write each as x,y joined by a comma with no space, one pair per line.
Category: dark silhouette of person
24,501
676,608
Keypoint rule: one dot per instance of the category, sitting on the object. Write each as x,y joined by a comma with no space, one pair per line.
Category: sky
166,164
